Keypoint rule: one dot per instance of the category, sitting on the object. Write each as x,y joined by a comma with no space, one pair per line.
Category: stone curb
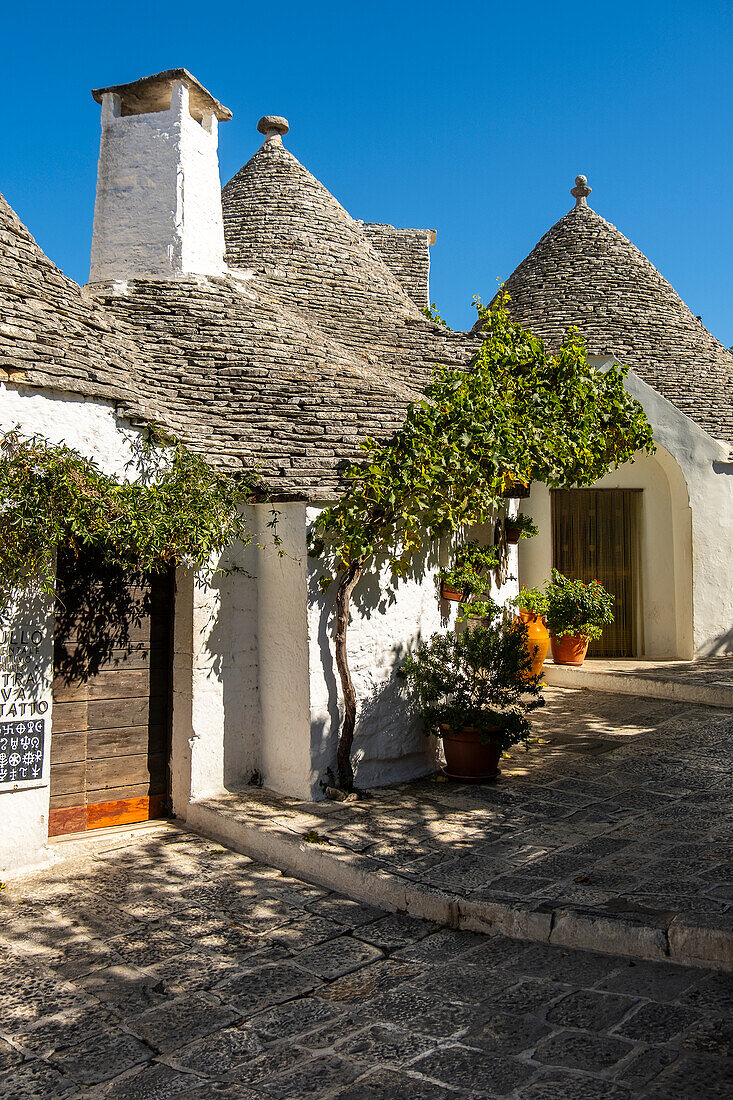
626,683
704,943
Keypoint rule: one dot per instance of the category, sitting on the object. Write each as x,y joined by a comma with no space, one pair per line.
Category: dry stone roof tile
50,335
584,272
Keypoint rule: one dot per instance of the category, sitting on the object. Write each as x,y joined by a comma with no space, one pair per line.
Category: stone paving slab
612,833
707,680
405,1008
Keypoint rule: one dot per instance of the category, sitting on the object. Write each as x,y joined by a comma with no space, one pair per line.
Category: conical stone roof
50,335
584,272
283,224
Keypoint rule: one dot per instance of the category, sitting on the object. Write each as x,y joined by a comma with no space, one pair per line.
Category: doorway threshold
708,681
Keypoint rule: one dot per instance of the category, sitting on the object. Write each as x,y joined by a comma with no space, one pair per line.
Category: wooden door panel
121,771
69,778
128,741
68,747
69,718
595,535
111,717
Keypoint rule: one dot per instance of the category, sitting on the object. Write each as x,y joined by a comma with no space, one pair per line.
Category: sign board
25,701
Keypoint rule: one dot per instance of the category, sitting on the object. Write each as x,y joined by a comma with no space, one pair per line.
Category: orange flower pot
449,593
570,650
467,758
538,640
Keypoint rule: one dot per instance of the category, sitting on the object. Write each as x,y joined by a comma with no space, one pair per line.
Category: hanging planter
447,592
515,489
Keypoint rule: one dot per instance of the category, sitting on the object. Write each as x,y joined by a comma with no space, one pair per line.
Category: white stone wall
26,672
158,205
386,623
686,534
90,427
93,429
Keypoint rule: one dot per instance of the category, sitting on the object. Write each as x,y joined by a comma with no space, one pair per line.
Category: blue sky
472,119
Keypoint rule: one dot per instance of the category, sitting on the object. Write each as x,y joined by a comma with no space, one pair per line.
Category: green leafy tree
517,413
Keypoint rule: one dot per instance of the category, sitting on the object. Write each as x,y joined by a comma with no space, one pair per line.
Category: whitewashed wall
216,699
92,428
686,534
158,204
386,623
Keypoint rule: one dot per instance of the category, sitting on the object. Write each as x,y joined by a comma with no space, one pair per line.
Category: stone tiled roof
406,252
50,335
584,272
291,364
244,378
280,222
234,366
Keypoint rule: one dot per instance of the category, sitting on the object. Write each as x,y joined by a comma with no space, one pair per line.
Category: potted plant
515,488
469,575
519,527
576,614
474,690
531,604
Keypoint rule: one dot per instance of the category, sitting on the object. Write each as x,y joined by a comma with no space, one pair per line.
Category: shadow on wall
387,620
232,659
722,646
106,618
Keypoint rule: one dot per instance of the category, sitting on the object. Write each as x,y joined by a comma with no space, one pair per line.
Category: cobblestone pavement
621,809
170,968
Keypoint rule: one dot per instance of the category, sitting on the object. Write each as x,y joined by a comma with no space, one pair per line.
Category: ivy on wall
178,510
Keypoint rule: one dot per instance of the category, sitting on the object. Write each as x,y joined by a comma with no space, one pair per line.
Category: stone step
679,683
701,940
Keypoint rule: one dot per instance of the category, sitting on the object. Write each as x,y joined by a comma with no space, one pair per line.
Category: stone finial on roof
581,191
273,127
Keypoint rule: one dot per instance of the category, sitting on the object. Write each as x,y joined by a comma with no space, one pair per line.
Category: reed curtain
595,535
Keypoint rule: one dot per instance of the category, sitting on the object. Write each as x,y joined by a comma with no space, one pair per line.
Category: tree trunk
346,586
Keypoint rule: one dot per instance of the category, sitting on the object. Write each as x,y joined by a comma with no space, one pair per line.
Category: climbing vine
517,414
177,509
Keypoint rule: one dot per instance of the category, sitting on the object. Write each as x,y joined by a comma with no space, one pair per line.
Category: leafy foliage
533,600
470,574
575,608
481,679
517,413
179,510
469,570
431,312
525,524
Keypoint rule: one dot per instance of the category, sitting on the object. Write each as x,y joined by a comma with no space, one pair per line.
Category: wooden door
111,697
595,535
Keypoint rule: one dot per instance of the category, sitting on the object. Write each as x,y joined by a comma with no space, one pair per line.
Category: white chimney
158,206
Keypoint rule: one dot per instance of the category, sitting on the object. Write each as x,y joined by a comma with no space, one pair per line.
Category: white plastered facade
158,206
93,429
686,532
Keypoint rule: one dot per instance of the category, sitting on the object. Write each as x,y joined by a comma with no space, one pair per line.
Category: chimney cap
153,93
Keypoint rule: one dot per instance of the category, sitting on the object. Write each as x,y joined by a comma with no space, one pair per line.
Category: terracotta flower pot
449,593
467,758
538,640
570,650
513,534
